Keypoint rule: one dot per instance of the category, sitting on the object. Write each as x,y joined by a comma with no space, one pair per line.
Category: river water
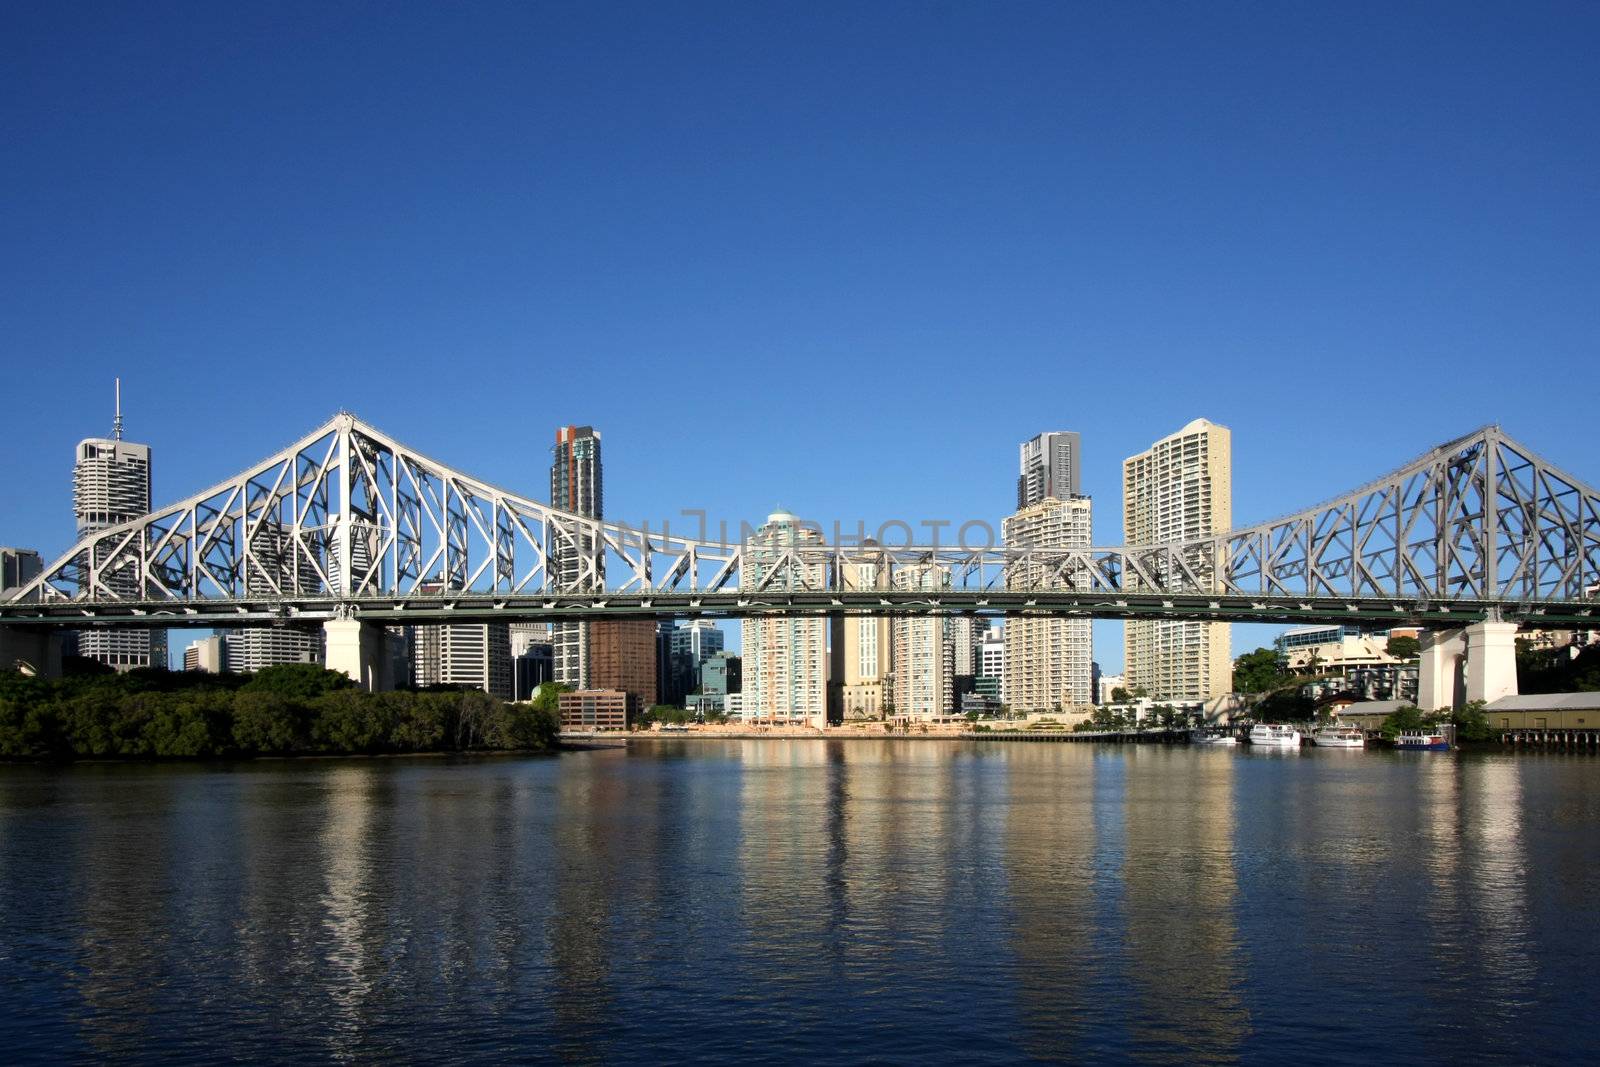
784,901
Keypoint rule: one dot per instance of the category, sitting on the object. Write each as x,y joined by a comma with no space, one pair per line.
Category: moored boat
1426,740
1274,735
1336,735
1212,735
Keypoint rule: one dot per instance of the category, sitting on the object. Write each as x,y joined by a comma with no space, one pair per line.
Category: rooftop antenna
116,425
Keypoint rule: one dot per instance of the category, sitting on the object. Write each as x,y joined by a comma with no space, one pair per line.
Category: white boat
1273,735
1212,735
1336,735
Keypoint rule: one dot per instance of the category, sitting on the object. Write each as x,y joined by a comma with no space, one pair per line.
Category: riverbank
296,710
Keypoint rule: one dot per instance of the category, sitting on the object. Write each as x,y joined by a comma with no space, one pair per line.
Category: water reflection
788,900
1181,894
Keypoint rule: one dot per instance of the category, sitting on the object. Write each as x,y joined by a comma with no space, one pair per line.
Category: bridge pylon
1477,662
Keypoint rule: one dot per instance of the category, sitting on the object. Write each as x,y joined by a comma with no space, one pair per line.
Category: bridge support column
1439,675
30,650
1491,661
359,650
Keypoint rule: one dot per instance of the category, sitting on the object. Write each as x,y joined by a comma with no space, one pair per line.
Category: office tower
1050,467
862,649
532,657
622,655
1180,489
1048,659
721,674
785,657
476,655
924,654
575,485
684,648
276,567
18,567
111,485
207,654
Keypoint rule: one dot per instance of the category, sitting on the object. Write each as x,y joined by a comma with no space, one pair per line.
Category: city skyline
1260,634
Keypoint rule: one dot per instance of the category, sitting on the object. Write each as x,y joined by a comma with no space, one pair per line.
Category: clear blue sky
842,257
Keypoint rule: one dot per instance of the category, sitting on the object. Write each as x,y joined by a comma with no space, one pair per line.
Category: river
784,901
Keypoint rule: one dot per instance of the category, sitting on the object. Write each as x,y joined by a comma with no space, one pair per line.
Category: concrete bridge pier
359,650
31,650
1477,662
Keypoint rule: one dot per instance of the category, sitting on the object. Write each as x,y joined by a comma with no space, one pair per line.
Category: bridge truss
349,522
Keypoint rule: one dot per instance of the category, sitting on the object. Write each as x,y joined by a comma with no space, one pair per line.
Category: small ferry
1422,741
1335,735
1274,735
1212,735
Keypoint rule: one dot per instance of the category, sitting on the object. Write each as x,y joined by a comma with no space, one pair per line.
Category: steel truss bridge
349,523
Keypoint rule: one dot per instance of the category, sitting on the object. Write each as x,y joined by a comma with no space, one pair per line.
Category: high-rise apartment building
785,657
861,651
924,652
576,485
1051,467
1180,489
111,485
1048,660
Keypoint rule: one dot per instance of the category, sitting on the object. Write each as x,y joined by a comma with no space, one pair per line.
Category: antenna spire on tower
116,424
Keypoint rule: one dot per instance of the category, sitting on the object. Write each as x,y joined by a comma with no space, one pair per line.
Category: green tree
1257,672
267,723
298,681
1401,720
1403,648
1472,722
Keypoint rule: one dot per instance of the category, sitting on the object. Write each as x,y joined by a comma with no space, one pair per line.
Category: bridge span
350,527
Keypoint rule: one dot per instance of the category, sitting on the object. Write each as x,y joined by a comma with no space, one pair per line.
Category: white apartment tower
785,657
1180,489
111,485
862,657
1049,661
924,650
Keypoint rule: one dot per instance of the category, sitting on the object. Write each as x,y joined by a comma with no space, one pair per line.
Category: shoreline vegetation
294,710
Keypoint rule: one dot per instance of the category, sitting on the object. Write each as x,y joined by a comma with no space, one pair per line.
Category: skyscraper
785,657
576,485
924,652
1050,467
1048,660
680,650
111,485
274,567
861,650
474,654
1181,488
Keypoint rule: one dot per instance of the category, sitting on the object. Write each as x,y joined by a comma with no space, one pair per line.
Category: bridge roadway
479,607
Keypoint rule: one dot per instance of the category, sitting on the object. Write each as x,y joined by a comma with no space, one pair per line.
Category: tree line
291,710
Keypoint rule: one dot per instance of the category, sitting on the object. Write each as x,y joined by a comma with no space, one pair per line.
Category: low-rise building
598,709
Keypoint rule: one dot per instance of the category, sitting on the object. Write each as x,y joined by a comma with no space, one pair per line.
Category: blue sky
839,257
